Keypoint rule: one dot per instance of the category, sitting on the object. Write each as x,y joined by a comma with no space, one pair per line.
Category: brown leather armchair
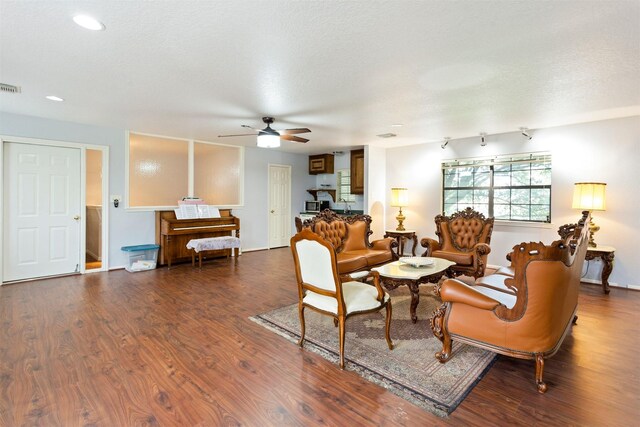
525,316
463,238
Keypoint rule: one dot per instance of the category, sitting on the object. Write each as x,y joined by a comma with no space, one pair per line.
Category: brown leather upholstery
463,238
526,315
350,238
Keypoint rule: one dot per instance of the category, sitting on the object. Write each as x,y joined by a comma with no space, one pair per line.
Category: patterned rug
410,370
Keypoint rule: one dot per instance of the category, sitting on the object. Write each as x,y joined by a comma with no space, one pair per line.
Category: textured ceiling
345,69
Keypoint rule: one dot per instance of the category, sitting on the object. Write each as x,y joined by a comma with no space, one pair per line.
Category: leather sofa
525,315
350,237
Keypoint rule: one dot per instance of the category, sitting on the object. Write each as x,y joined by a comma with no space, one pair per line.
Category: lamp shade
589,196
266,140
399,197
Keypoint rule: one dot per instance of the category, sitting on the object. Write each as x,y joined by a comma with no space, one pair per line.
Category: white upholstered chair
322,290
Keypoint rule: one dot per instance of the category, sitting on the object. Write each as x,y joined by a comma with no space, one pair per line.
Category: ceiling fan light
266,140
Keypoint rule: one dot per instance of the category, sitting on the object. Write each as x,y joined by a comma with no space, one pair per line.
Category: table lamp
589,196
399,199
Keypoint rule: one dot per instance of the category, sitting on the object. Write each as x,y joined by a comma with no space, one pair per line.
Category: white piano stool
198,246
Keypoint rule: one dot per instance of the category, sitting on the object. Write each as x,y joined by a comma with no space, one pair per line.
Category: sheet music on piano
208,211
185,211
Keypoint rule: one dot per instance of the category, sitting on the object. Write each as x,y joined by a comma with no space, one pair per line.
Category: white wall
606,151
131,228
375,185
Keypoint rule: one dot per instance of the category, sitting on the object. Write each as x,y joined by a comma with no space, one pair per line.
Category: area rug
410,370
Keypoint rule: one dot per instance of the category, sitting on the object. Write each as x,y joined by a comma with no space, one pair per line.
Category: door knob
272,211
76,217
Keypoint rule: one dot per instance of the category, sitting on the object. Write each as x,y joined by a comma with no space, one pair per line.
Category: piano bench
198,246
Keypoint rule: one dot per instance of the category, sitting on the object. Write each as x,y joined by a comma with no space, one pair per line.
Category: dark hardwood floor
175,347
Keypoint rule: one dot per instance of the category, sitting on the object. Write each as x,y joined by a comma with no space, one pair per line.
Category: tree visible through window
513,188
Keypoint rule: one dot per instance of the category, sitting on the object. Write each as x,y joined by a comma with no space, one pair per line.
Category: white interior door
279,205
42,205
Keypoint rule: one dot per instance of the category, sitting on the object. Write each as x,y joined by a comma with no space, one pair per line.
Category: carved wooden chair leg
388,326
542,387
341,322
437,323
575,319
302,326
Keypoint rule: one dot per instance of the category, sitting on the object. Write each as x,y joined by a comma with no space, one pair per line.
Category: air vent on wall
387,135
9,88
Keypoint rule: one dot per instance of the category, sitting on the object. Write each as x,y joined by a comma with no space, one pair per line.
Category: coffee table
396,273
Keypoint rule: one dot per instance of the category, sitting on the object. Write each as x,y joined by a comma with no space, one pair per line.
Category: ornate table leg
414,287
415,243
400,245
607,266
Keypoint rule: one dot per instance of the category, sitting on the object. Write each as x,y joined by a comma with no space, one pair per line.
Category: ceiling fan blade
293,131
249,127
293,138
242,134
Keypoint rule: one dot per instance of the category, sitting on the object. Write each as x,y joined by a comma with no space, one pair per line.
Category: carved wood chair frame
468,213
341,316
572,237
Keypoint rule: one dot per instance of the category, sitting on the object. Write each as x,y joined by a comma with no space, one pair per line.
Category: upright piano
173,234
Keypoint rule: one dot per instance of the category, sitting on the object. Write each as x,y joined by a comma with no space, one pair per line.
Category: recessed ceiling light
88,22
54,98
397,125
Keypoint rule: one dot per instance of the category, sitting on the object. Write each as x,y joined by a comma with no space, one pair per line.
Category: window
344,186
510,188
158,170
163,170
217,171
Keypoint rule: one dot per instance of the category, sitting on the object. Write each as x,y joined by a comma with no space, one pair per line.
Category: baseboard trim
255,249
598,282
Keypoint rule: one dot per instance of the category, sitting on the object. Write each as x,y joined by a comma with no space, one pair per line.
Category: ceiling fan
270,138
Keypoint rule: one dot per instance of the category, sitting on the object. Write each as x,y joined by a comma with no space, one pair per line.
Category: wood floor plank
176,347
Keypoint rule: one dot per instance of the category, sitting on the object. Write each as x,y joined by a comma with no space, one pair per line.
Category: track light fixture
446,141
483,142
525,133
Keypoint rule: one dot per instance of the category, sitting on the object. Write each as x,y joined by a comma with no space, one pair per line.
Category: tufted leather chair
322,289
464,239
526,315
350,238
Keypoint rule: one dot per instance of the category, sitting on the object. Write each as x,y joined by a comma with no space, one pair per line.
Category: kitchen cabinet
320,163
357,171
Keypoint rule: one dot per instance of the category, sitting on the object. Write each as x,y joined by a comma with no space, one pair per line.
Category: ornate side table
396,273
606,254
400,237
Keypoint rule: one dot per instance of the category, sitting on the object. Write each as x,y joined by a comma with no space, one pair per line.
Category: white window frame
191,169
339,195
497,160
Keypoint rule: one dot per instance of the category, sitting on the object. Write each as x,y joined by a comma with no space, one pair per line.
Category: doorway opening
93,210
53,208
